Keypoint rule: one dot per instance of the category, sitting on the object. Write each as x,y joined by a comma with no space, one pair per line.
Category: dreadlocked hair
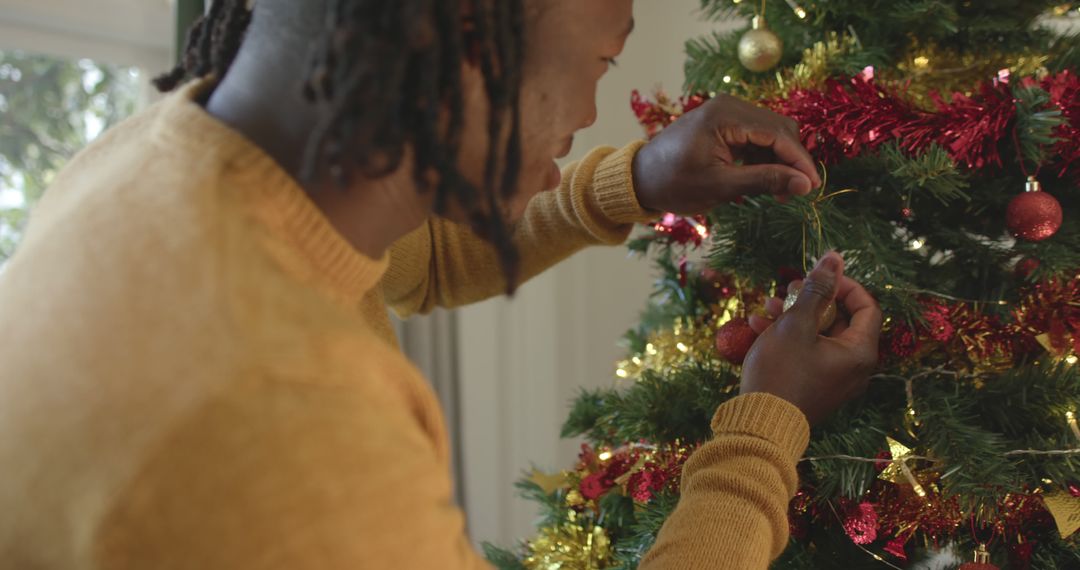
388,74
211,45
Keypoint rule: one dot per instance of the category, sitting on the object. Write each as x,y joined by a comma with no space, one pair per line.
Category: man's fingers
774,179
759,323
789,151
866,316
774,307
817,292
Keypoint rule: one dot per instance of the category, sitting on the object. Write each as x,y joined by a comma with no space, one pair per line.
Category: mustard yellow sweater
197,372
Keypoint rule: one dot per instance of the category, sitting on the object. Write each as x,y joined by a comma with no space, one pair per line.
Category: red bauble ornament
734,339
1034,215
982,561
907,213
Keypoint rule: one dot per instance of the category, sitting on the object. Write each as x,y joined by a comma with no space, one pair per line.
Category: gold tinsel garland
574,545
686,342
923,71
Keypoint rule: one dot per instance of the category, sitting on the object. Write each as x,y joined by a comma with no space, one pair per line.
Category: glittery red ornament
938,323
734,339
1074,489
907,213
861,523
1034,215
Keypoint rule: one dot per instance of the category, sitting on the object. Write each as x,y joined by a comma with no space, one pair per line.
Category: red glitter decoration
907,213
650,469
861,523
643,484
1053,308
939,327
734,339
799,511
904,513
682,230
1034,216
656,114
593,486
1064,90
900,342
1074,490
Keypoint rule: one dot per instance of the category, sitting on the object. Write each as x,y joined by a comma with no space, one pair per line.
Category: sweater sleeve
736,490
292,476
445,264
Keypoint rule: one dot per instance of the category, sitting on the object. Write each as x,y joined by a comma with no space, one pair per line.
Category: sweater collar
276,200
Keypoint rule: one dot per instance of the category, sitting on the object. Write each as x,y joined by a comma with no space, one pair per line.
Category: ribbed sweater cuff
768,417
613,187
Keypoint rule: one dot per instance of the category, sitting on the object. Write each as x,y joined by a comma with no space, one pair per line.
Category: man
198,368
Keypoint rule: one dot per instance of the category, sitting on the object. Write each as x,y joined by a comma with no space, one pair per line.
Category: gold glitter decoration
571,546
1065,509
574,498
686,342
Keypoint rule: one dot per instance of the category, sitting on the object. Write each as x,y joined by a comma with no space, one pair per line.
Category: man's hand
719,152
816,373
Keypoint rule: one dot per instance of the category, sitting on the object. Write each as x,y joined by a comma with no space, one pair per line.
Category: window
50,108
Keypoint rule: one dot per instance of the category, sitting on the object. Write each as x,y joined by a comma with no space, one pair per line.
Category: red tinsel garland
844,119
1064,90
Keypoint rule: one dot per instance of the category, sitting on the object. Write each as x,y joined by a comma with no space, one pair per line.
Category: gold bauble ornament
827,318
759,48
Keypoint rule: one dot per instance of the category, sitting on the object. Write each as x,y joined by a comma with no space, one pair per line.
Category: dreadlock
388,73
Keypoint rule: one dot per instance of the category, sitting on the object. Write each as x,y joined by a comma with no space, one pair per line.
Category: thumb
774,179
818,291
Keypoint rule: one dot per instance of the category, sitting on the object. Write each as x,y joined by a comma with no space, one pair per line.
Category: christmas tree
949,135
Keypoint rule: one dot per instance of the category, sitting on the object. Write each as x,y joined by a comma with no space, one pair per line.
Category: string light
917,244
795,7
604,455
727,79
1070,417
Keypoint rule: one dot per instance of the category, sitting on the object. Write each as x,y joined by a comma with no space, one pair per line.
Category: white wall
522,361
125,32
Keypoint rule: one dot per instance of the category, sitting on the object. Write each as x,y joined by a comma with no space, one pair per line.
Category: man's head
474,98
